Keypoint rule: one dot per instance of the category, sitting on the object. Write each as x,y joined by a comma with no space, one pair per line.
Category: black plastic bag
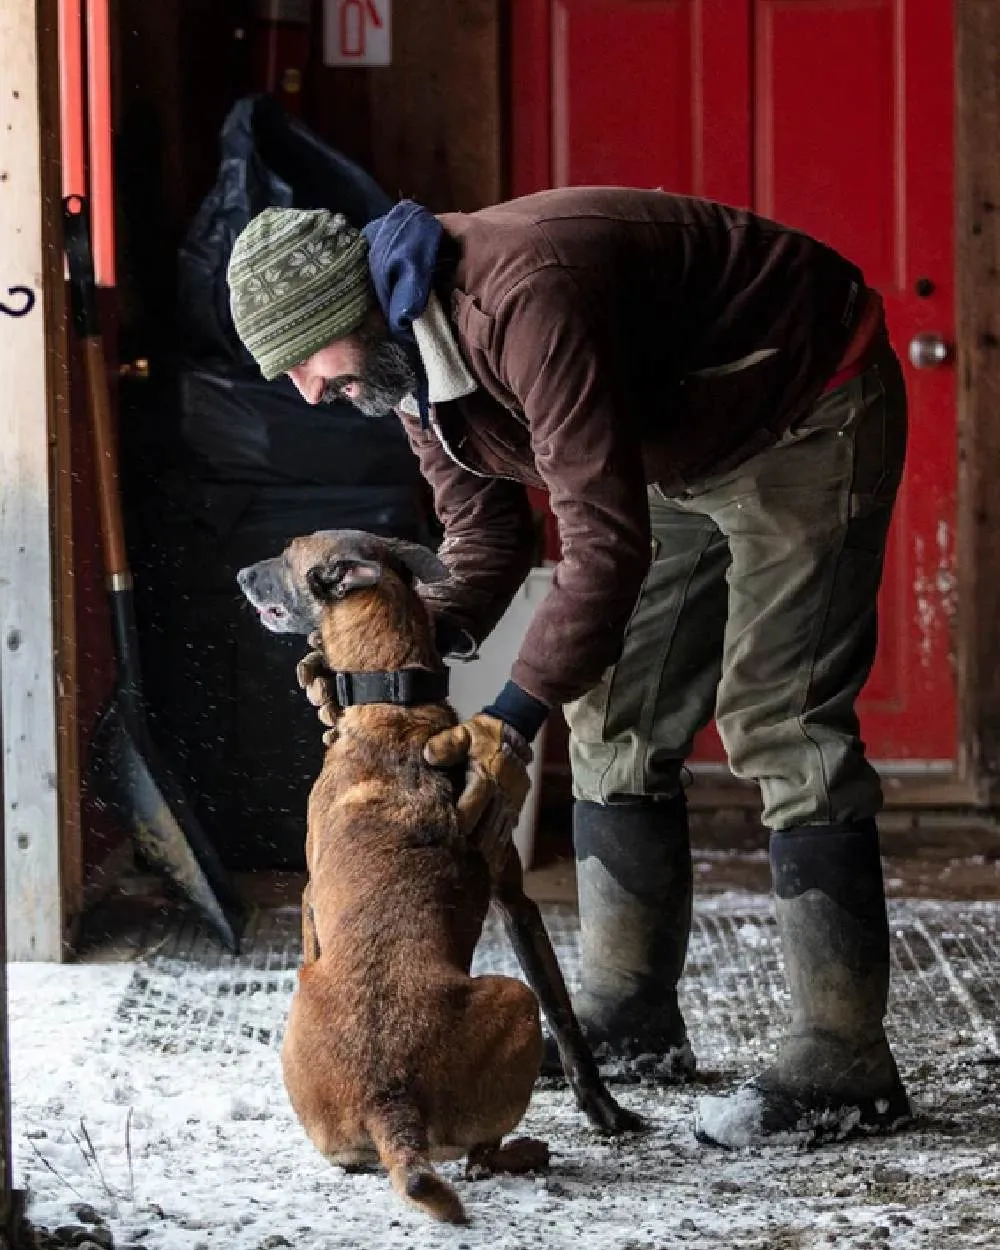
268,158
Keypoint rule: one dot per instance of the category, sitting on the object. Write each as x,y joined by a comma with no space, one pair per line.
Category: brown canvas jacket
619,337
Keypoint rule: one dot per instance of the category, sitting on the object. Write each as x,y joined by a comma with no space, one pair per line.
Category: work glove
316,680
496,758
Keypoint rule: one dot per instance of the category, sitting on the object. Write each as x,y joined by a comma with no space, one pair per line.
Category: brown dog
393,1052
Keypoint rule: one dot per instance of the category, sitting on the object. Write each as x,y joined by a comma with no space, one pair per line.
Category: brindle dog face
290,591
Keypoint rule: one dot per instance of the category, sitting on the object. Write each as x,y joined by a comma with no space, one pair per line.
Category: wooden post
33,864
61,481
435,113
977,187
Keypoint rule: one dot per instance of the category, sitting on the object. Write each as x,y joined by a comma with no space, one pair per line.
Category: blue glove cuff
520,710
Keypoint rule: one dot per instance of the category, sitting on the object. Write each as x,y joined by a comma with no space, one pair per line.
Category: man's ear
342,575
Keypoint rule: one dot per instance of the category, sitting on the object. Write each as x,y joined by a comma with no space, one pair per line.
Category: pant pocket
879,443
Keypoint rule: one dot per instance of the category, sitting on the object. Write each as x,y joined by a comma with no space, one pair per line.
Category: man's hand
496,758
314,678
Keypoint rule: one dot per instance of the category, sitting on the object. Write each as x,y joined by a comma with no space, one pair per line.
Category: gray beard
387,377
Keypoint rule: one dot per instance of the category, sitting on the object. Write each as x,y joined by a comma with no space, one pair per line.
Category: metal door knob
928,351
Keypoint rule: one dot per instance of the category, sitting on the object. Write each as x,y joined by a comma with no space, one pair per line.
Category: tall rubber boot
835,1075
633,864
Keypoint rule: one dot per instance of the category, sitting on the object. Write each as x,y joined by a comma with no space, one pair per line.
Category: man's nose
310,388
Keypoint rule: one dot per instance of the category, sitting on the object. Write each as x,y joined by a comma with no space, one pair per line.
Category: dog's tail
400,1136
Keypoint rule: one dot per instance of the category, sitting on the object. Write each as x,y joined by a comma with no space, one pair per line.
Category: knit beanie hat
297,280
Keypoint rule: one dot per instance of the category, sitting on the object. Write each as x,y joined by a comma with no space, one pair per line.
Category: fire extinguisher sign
357,32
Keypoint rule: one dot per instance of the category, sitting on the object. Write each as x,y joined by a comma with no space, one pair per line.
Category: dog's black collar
405,687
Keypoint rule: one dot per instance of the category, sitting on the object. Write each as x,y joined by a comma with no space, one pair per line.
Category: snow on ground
218,1159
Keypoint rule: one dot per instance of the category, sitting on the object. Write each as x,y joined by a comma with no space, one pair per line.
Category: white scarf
448,376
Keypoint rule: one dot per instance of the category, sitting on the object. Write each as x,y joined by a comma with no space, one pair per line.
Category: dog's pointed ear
340,576
421,561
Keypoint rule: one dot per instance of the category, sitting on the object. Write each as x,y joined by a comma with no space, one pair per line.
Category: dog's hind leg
534,952
495,1053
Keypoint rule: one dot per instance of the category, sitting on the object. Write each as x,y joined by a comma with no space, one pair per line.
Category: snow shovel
127,771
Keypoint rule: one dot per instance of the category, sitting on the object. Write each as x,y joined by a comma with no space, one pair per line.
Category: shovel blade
131,778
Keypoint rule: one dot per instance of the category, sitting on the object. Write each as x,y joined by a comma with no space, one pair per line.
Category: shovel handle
83,293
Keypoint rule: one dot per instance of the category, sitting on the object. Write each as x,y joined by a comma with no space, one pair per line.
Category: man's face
368,369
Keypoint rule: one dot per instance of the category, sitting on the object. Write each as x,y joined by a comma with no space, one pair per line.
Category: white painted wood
34,924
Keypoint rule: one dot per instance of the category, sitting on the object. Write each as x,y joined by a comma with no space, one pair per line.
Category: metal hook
29,301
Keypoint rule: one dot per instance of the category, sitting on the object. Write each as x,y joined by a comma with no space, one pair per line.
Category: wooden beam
60,441
978,333
33,868
435,112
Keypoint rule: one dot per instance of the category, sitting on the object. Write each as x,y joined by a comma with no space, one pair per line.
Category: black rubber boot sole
756,1115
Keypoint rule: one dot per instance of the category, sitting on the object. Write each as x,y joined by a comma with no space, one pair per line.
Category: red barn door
831,115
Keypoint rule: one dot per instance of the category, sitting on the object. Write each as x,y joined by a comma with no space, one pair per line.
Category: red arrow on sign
352,33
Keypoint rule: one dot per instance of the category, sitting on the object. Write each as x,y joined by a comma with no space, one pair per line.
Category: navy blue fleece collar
402,253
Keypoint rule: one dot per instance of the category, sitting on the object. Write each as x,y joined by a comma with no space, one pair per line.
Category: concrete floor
940,857
186,1036
151,1090
188,993
941,881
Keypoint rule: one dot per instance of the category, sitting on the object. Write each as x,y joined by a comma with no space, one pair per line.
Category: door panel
649,93
861,156
834,116
591,114
827,147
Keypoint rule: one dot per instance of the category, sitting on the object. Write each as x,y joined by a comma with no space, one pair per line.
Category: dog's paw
312,664
316,680
313,676
517,1157
609,1117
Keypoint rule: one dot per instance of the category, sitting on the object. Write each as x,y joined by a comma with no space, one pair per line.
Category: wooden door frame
977,252
975,780
42,837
